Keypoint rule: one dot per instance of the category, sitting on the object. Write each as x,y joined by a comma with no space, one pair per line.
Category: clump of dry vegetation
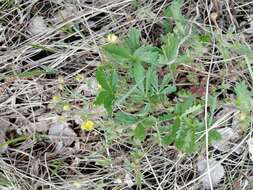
126,94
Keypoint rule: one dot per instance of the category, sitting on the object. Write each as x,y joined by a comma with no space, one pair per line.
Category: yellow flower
112,38
88,125
79,78
56,99
61,80
66,107
99,87
243,116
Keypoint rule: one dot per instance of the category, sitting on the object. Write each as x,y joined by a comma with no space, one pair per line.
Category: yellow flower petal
112,38
88,125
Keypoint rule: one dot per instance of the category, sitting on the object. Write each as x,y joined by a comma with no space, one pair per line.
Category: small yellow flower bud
88,125
60,80
56,99
112,38
242,116
60,86
66,107
99,87
79,78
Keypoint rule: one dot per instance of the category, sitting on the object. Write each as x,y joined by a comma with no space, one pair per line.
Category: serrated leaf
171,137
149,77
243,96
147,54
181,107
102,79
170,48
168,90
139,75
166,79
174,11
117,53
133,41
185,140
192,109
125,118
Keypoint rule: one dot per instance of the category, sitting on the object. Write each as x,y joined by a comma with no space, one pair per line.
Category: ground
72,110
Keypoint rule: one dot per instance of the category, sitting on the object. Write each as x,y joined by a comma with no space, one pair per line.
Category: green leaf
142,126
181,107
108,81
105,98
189,145
168,90
147,54
139,75
170,48
213,135
186,137
149,77
114,80
148,122
117,52
174,11
243,96
125,118
166,79
133,41
172,134
205,38
171,137
140,132
192,109
102,79
136,4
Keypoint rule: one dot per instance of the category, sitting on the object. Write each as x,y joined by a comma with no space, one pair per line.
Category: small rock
62,134
128,180
38,25
216,174
62,15
89,88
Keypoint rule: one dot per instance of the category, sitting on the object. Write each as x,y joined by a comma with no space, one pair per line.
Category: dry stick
206,98
157,181
155,19
165,177
206,119
218,123
244,5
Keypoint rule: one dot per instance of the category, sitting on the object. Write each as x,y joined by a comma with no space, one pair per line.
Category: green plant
135,94
244,103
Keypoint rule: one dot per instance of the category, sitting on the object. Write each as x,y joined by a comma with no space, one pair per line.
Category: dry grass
70,45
